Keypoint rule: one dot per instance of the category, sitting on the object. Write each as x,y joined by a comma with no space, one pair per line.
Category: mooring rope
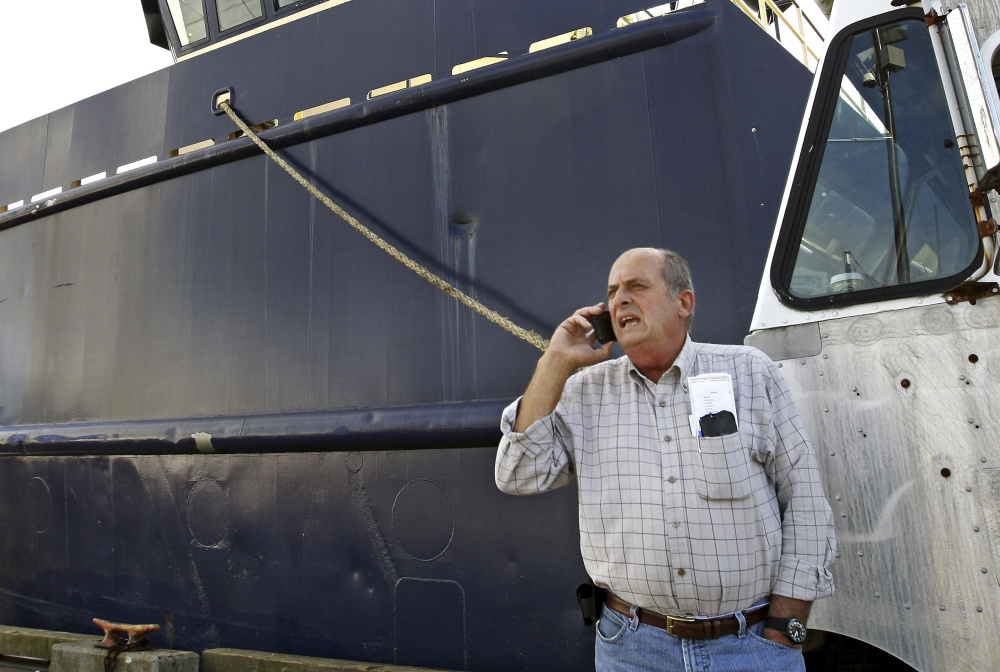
492,315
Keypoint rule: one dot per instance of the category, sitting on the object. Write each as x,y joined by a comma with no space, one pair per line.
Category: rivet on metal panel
983,570
961,377
837,498
833,454
826,410
942,607
982,459
979,609
878,595
975,528
861,554
803,362
968,488
826,356
843,515
972,420
821,373
826,335
907,605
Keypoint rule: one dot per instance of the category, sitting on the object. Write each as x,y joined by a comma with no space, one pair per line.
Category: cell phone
603,328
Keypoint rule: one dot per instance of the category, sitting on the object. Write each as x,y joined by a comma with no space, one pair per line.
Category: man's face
646,318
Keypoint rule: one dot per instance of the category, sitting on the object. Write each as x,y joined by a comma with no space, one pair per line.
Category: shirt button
668,438
671,479
681,572
677,523
662,404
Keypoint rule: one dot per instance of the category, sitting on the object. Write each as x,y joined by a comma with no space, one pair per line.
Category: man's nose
621,299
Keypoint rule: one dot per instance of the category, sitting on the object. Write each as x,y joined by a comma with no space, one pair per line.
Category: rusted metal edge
932,18
987,228
971,292
447,425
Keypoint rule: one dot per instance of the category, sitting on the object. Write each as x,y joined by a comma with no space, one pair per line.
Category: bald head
675,271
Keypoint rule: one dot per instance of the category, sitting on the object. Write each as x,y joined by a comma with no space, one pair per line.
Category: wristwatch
792,628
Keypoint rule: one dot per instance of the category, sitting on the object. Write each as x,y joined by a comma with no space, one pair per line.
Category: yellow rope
492,315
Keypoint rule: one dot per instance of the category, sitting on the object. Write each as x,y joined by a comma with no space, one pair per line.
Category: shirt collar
682,365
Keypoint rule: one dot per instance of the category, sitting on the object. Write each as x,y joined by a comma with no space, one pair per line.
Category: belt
687,627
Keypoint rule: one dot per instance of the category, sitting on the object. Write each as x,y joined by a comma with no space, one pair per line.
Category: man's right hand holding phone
570,348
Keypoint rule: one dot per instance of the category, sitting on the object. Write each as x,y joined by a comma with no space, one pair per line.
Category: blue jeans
629,646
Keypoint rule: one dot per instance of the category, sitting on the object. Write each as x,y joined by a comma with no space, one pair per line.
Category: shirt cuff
532,440
802,580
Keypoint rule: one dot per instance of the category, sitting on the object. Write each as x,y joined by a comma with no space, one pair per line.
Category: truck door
880,304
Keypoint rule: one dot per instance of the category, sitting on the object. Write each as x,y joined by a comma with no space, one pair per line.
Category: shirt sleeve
536,460
808,543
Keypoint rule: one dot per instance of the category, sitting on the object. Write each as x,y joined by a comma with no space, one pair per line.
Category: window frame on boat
237,27
215,33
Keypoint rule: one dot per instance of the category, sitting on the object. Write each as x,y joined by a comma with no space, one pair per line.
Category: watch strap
775,623
792,628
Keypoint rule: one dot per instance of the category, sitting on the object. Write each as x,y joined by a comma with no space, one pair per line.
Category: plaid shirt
671,522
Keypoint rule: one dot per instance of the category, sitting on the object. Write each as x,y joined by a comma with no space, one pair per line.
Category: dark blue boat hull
225,411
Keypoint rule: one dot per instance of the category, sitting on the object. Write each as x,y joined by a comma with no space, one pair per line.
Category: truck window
881,209
189,20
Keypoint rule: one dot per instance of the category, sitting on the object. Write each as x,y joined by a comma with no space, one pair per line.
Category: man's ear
685,302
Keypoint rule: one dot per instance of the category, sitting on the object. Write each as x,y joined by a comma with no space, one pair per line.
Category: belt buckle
679,619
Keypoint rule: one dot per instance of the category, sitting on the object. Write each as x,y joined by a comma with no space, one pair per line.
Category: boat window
889,212
189,20
233,13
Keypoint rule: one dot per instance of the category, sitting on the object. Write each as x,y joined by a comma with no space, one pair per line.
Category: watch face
796,631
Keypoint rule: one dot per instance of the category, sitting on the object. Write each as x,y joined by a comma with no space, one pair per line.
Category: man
699,542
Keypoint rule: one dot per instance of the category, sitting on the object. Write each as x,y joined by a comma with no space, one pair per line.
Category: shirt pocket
722,469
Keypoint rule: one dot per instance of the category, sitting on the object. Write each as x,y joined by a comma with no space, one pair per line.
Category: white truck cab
880,303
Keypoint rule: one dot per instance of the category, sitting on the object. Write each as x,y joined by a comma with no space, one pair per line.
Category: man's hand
786,607
574,339
570,348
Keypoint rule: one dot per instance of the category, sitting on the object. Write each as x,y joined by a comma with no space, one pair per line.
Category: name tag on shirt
713,405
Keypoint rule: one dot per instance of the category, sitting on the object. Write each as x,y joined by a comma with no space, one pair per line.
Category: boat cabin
188,26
